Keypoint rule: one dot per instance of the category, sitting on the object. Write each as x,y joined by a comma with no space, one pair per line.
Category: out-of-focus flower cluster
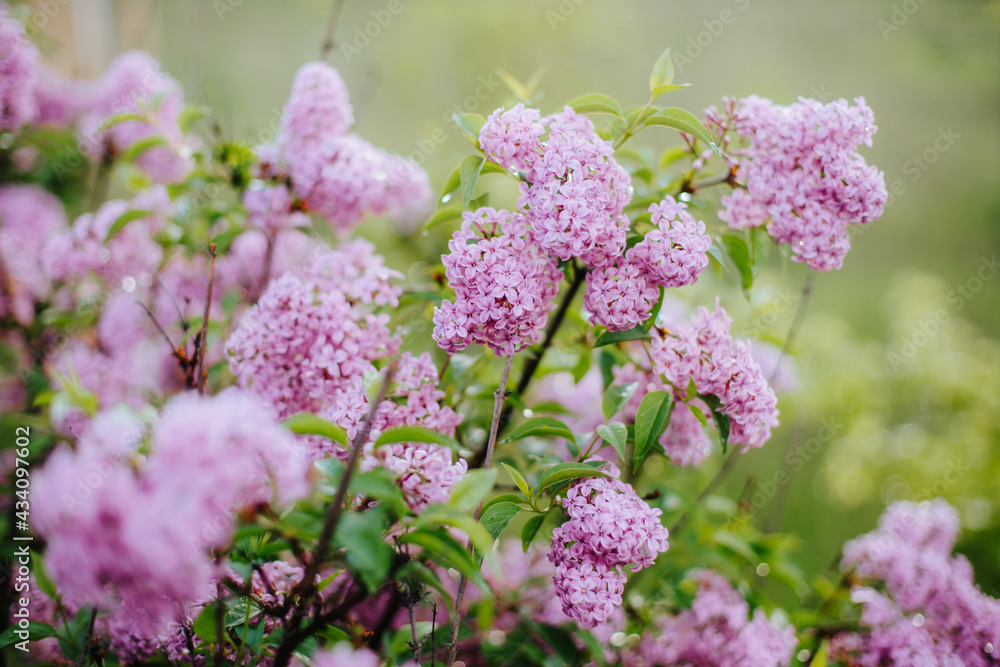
920,605
715,632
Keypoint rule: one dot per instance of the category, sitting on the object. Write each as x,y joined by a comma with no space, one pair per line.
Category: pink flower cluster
128,529
716,632
801,174
310,337
339,175
28,216
609,527
926,609
705,353
504,285
18,74
672,255
425,472
575,192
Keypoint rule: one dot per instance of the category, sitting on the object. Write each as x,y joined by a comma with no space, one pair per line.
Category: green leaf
45,583
565,472
662,76
683,121
530,530
470,124
582,366
615,397
472,166
325,583
416,434
739,253
452,182
141,146
190,114
122,118
615,434
306,423
439,515
472,488
479,202
760,245
610,337
206,624
377,484
541,426
504,498
650,422
722,421
651,322
596,104
360,535
36,631
443,215
496,517
441,547
519,480
124,219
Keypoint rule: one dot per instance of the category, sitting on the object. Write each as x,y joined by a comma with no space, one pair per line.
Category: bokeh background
898,357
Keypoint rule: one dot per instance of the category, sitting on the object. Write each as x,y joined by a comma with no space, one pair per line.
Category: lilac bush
256,441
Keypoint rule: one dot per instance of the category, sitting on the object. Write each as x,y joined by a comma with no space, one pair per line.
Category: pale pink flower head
18,74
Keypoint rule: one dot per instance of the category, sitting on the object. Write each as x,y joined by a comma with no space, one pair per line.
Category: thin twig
204,322
434,614
331,27
533,361
793,330
292,636
498,399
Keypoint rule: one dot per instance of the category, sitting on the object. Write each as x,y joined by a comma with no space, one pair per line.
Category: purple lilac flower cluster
672,255
125,528
609,527
920,605
338,175
311,336
716,632
504,285
425,472
705,353
801,174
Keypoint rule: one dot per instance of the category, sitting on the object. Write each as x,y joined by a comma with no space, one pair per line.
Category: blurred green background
898,354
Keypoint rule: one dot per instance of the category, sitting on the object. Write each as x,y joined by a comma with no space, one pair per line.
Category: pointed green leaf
530,530
441,547
650,422
439,515
472,166
496,517
519,480
565,472
306,423
739,253
443,215
416,434
470,124
191,114
637,332
722,421
541,426
124,219
663,72
615,434
471,488
596,104
452,182
683,121
141,146
615,398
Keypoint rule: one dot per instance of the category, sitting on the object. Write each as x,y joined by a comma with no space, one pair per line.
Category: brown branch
498,399
292,636
203,335
331,27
